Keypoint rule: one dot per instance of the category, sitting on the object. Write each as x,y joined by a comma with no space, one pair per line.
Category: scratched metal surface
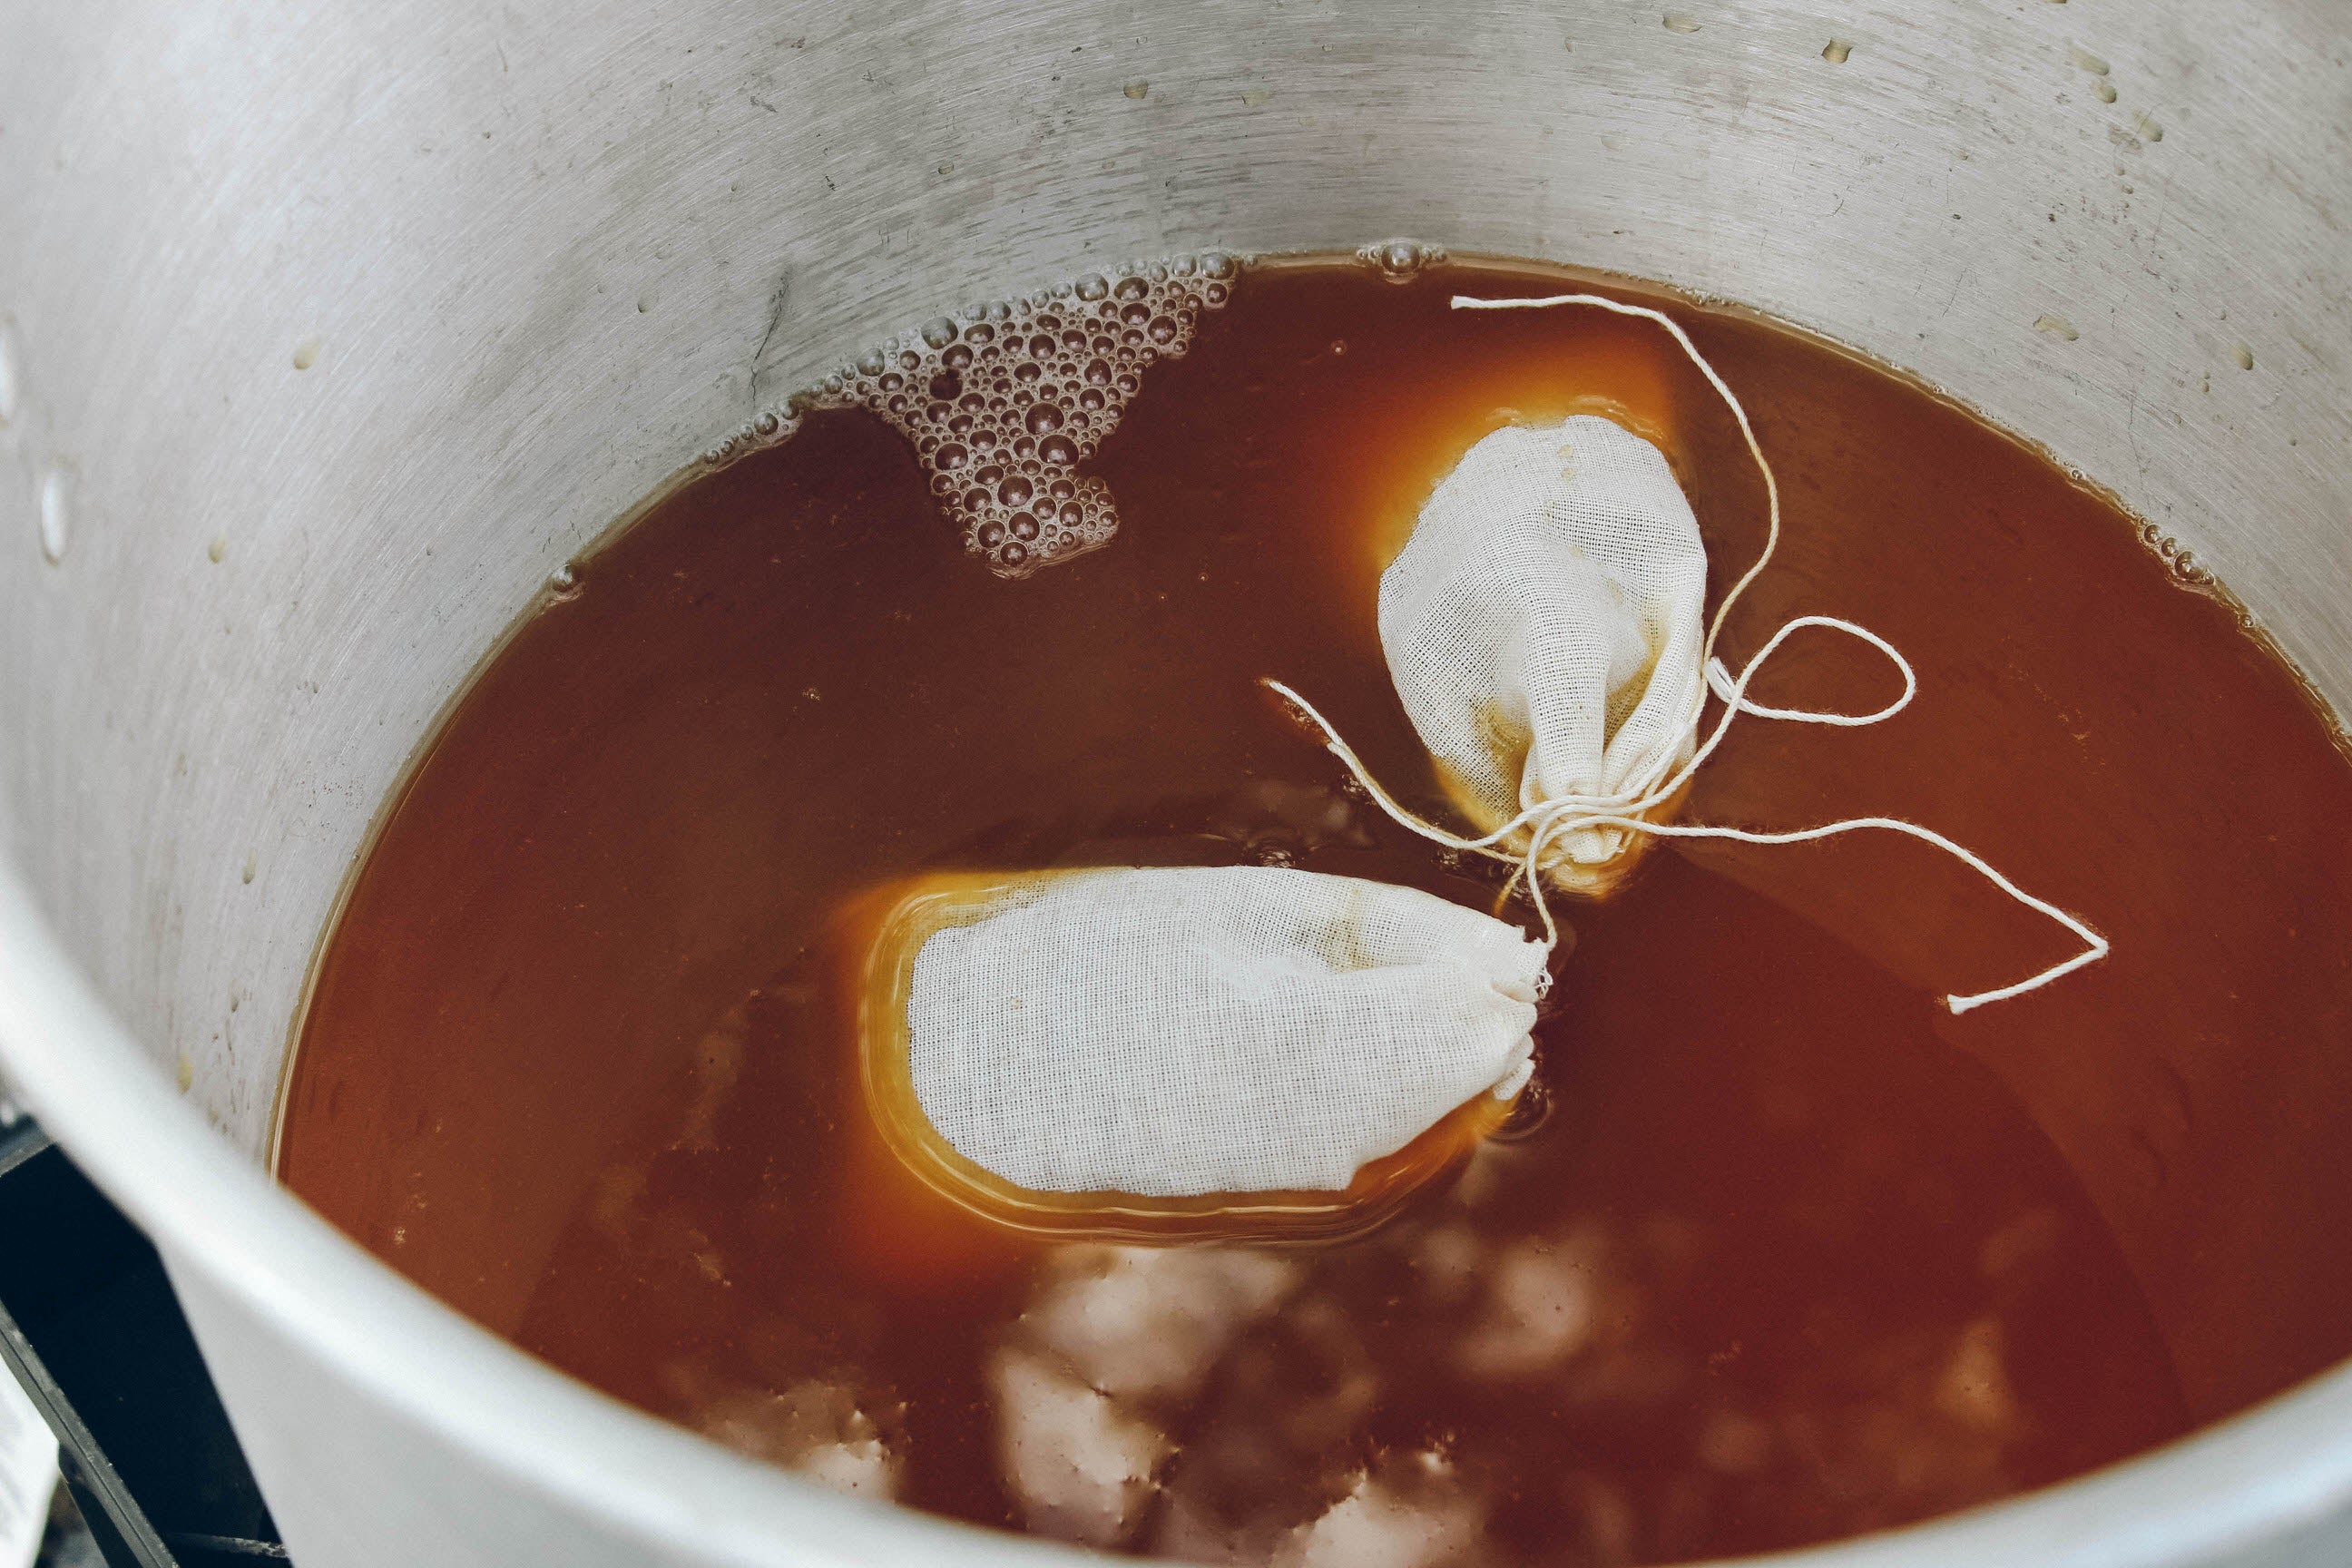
327,331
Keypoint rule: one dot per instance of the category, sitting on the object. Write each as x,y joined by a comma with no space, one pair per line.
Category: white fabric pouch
1544,626
1185,1034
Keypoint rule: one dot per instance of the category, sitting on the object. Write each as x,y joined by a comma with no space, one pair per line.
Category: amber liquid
1777,1251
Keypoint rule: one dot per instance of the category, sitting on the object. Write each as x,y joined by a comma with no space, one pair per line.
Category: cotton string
1547,819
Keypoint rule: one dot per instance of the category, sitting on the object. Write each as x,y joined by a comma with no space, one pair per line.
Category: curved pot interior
327,333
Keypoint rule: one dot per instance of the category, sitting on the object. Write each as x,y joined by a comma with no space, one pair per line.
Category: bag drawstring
1550,819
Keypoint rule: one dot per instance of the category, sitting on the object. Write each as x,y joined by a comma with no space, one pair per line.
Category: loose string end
2083,960
2095,947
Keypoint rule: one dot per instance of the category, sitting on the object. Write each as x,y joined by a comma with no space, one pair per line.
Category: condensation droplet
56,516
11,388
1837,51
2058,327
306,353
1677,22
218,550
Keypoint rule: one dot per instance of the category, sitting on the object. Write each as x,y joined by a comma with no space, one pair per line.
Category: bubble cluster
1004,402
770,428
1400,260
2184,566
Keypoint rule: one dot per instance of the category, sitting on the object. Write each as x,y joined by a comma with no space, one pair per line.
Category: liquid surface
1776,1251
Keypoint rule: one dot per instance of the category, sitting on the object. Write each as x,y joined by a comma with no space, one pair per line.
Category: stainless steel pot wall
327,330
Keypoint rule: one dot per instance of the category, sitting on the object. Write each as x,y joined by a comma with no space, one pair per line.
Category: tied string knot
1547,824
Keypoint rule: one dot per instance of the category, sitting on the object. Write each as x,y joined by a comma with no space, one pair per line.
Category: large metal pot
327,330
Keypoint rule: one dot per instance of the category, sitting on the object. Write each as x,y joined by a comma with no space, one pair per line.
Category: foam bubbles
1004,402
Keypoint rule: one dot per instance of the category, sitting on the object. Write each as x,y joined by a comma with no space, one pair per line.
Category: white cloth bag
1177,1032
1544,626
